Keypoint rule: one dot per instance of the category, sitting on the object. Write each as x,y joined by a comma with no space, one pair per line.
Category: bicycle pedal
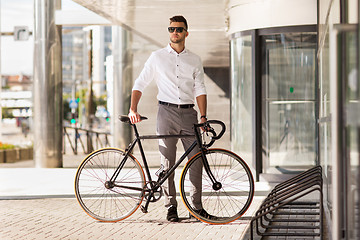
143,209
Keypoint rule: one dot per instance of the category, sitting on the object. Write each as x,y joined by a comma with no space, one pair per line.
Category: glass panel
241,99
74,58
289,101
325,151
352,98
291,138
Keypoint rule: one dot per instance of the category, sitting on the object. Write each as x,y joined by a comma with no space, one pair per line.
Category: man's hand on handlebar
209,128
203,120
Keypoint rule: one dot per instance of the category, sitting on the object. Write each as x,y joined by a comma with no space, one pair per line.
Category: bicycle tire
104,204
234,197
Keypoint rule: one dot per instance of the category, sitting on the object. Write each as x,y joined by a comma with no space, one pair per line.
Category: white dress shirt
179,76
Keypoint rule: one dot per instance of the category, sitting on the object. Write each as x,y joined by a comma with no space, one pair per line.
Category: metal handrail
89,133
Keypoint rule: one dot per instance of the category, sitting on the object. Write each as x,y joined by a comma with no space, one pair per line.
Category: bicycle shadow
162,222
186,220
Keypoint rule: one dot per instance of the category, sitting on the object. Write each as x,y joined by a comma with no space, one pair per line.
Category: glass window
353,138
288,110
325,151
241,98
74,58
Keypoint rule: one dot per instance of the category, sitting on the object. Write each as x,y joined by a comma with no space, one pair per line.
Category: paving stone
63,218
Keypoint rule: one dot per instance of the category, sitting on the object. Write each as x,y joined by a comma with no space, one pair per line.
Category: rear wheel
104,200
225,201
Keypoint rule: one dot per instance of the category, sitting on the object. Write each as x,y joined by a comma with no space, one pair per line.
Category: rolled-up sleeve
146,75
199,86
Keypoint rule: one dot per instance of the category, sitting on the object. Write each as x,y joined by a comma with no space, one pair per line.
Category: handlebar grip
212,139
223,128
215,136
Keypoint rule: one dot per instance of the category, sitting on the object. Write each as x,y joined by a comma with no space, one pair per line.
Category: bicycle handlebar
207,127
223,128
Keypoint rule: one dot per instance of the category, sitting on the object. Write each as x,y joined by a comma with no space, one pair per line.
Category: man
179,76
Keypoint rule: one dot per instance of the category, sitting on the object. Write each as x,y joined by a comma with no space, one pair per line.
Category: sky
17,56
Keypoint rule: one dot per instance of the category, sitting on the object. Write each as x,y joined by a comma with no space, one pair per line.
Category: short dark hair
179,18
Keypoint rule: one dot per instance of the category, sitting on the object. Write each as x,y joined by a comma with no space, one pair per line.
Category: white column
122,85
47,86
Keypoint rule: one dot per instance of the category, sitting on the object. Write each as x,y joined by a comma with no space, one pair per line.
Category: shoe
172,215
204,214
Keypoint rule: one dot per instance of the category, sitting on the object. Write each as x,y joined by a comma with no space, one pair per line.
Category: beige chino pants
175,121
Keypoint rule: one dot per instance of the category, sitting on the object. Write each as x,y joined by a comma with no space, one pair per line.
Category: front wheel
105,200
219,203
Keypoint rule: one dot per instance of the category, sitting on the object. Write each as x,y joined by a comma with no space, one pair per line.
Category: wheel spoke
228,203
114,203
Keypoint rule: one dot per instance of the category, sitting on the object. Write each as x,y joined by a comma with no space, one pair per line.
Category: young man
179,76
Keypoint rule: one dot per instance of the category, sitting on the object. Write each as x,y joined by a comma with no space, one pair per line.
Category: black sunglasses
178,29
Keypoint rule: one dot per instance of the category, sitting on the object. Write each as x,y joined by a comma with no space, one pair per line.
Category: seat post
135,131
142,153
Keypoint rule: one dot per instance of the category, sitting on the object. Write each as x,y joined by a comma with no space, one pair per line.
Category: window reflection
288,92
241,99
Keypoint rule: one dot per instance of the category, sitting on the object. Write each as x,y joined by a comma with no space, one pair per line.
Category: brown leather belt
177,105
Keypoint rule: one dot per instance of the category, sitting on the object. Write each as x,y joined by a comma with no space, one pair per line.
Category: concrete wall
256,14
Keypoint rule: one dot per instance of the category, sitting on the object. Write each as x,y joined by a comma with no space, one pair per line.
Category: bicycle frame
164,175
138,139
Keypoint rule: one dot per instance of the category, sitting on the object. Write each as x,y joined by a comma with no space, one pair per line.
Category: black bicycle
110,183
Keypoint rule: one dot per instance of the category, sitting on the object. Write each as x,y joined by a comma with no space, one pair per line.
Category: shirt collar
170,49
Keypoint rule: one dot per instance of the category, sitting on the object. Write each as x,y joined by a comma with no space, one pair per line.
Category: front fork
216,185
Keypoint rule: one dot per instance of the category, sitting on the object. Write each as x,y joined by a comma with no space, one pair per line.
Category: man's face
176,37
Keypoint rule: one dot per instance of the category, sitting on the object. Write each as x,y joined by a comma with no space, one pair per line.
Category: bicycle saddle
126,119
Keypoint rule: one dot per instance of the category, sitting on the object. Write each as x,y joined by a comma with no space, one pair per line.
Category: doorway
288,80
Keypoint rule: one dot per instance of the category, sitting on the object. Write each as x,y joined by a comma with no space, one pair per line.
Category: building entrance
288,82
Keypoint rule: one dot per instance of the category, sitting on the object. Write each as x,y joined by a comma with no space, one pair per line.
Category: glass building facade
338,56
274,98
295,103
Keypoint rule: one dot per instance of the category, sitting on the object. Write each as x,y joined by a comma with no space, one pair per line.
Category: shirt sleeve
199,86
146,75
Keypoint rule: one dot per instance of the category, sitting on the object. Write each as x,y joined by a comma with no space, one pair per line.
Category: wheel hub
109,185
217,186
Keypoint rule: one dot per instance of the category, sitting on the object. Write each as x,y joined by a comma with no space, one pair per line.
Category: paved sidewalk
59,218
40,204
